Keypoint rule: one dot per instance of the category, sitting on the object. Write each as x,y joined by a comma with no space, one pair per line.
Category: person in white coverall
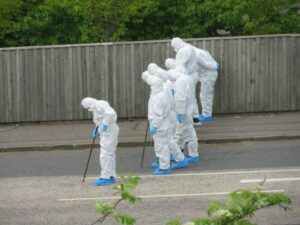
176,154
208,72
104,117
159,120
184,98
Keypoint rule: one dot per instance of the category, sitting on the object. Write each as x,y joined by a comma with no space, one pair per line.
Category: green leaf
104,208
124,219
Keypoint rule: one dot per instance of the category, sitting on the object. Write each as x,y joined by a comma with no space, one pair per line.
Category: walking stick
87,165
144,144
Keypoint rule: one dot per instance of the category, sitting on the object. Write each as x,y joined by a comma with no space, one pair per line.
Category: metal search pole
87,165
147,128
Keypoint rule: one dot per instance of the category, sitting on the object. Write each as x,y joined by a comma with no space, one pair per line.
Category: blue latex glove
218,67
173,91
95,132
104,127
180,118
152,130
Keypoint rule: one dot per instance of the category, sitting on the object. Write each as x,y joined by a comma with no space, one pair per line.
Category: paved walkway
77,134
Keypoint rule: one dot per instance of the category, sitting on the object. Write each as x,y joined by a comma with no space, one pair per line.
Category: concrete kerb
140,144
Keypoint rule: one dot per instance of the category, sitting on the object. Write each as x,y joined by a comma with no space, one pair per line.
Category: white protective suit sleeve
205,60
180,96
158,71
158,110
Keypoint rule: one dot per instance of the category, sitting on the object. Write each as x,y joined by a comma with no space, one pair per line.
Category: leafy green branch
238,207
125,189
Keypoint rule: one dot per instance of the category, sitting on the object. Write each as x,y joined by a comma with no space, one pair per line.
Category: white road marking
213,173
163,196
270,180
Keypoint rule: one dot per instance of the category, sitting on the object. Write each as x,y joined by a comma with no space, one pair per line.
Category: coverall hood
89,103
170,63
155,83
177,44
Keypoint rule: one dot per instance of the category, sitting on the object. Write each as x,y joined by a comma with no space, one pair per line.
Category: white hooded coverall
184,100
174,148
159,117
103,113
207,72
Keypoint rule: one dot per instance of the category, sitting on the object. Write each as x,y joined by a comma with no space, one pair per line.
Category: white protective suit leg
178,136
188,135
207,92
161,149
207,97
196,109
108,143
174,147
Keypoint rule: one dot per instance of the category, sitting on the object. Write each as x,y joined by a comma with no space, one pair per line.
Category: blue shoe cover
104,182
205,118
155,164
159,172
193,159
180,164
172,158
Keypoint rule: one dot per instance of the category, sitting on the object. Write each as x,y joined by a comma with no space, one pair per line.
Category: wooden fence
47,83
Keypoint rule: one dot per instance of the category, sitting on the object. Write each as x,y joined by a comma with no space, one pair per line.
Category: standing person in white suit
104,117
208,72
176,153
184,98
159,119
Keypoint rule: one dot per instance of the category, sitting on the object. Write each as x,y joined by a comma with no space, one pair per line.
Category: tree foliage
44,22
124,190
9,10
238,208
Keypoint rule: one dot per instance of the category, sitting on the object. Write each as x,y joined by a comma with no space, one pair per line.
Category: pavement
77,134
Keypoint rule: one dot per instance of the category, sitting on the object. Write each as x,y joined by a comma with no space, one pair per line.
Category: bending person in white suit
208,72
104,117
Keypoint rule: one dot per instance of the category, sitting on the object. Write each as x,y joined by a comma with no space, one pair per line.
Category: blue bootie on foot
155,164
159,172
104,182
204,119
193,159
172,158
180,164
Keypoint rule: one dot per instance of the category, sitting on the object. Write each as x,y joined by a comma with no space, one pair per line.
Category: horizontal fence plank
47,83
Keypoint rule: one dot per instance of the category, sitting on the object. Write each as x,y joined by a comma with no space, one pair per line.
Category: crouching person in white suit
104,117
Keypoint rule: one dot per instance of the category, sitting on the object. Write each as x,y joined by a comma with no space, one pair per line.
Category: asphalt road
46,188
